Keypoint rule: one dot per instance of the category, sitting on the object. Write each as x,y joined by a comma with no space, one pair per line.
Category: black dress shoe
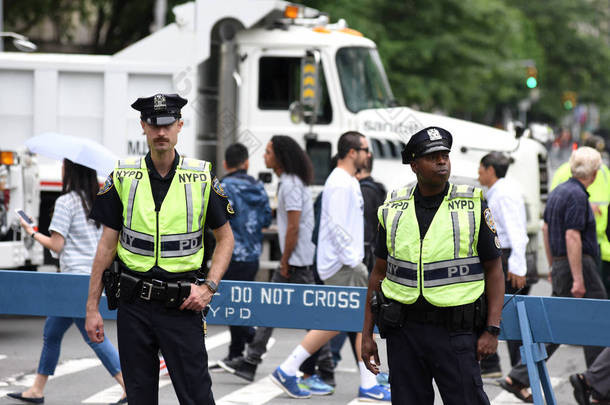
120,401
17,395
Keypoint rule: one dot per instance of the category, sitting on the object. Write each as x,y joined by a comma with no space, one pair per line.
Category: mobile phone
23,215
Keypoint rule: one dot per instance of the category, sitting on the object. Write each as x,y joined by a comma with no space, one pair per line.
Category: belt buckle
146,290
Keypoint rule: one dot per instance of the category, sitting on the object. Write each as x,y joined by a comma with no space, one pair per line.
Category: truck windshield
363,79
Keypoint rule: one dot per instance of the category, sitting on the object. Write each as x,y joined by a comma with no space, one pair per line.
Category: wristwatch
493,330
211,285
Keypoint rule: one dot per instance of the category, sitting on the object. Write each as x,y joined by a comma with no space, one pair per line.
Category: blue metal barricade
534,320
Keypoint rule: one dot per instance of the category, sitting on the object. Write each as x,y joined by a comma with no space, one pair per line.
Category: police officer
154,210
438,258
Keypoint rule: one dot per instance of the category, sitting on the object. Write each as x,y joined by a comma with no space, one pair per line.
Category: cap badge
159,102
434,135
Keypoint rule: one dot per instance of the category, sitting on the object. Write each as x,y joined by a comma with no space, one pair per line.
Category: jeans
54,329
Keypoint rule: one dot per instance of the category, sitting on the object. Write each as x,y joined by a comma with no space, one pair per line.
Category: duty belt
469,317
155,290
173,294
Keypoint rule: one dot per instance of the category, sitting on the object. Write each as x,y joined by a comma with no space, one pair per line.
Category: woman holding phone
74,238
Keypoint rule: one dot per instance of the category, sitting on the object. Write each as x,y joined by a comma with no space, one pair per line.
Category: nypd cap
160,109
427,140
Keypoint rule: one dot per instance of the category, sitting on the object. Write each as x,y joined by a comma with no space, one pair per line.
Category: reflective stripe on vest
446,257
173,237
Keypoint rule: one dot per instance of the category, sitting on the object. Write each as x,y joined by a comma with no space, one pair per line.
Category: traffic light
568,100
532,77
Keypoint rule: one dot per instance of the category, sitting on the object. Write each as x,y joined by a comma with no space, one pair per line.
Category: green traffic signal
531,82
568,105
532,77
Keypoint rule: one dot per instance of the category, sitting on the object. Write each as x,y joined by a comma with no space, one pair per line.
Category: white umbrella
83,151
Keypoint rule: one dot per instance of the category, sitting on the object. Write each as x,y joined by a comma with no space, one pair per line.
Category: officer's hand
515,280
94,325
198,299
486,345
578,289
369,351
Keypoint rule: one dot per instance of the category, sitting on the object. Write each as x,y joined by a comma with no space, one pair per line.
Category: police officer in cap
154,210
437,285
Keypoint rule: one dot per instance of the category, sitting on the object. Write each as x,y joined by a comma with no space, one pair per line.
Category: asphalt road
80,378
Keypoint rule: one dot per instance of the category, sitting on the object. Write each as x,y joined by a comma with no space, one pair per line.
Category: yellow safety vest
443,266
173,237
599,194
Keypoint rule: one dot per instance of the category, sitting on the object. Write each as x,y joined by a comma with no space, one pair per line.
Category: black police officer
154,210
432,285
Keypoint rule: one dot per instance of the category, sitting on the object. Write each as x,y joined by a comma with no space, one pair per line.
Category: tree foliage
113,24
468,58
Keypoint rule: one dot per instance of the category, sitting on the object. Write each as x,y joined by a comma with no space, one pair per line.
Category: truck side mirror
297,112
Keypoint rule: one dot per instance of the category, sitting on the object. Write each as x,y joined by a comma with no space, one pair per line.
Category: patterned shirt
80,234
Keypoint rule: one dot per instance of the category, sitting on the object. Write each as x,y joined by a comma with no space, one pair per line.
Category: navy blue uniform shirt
568,208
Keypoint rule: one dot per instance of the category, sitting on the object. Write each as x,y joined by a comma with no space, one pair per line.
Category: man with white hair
572,251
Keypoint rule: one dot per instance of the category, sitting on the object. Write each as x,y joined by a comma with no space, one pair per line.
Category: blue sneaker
375,393
315,385
383,378
289,384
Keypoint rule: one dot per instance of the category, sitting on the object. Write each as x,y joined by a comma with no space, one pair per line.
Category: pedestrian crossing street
228,390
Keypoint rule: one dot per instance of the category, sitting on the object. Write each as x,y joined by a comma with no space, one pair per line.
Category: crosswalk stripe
219,339
258,393
359,402
113,393
2,356
108,395
65,368
506,398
